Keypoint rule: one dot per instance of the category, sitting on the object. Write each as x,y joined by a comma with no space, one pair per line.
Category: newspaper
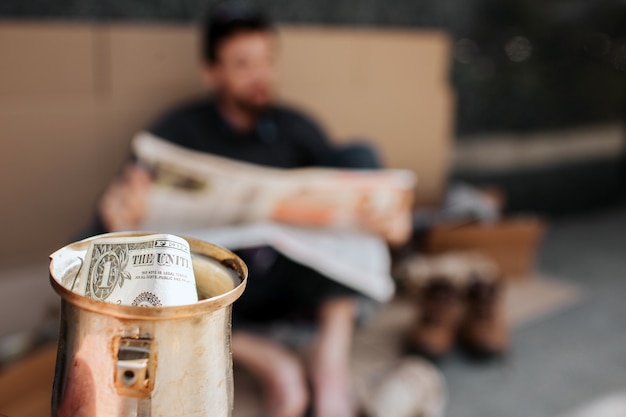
315,216
355,259
195,189
149,271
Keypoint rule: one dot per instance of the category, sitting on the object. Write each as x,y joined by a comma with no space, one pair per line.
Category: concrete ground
572,359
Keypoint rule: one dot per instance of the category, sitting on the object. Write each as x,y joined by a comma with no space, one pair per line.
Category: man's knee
358,155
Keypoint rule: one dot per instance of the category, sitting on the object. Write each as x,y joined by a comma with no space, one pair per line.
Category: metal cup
124,361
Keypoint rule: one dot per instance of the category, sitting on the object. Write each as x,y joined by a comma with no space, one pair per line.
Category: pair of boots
471,314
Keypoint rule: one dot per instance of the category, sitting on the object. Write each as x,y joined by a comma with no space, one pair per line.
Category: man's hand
395,229
123,205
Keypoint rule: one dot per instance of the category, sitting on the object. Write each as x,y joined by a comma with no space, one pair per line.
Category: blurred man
241,121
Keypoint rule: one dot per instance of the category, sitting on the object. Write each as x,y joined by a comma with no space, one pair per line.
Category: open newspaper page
311,215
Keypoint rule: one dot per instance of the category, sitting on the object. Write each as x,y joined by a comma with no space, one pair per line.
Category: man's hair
229,18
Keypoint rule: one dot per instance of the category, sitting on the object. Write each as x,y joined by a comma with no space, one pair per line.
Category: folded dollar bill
150,270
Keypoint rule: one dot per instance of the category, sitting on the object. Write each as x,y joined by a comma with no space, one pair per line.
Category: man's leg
298,293
356,155
279,371
330,361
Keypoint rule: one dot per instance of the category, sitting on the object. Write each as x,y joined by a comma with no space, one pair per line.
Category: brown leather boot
484,333
436,327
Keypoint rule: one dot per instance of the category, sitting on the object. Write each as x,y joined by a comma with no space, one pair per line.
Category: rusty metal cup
124,361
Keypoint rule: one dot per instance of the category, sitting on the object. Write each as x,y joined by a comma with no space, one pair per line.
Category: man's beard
251,108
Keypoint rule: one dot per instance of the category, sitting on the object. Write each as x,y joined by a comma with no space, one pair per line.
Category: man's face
245,71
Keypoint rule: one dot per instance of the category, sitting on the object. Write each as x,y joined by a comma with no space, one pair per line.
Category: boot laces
438,300
482,300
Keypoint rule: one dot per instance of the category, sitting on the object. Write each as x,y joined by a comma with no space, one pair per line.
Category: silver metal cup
125,361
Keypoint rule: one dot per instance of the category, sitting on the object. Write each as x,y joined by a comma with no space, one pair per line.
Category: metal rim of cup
225,257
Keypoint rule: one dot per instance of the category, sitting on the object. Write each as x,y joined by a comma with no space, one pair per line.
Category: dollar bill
152,271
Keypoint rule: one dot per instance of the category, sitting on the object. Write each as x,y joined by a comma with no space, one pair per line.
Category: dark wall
526,65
